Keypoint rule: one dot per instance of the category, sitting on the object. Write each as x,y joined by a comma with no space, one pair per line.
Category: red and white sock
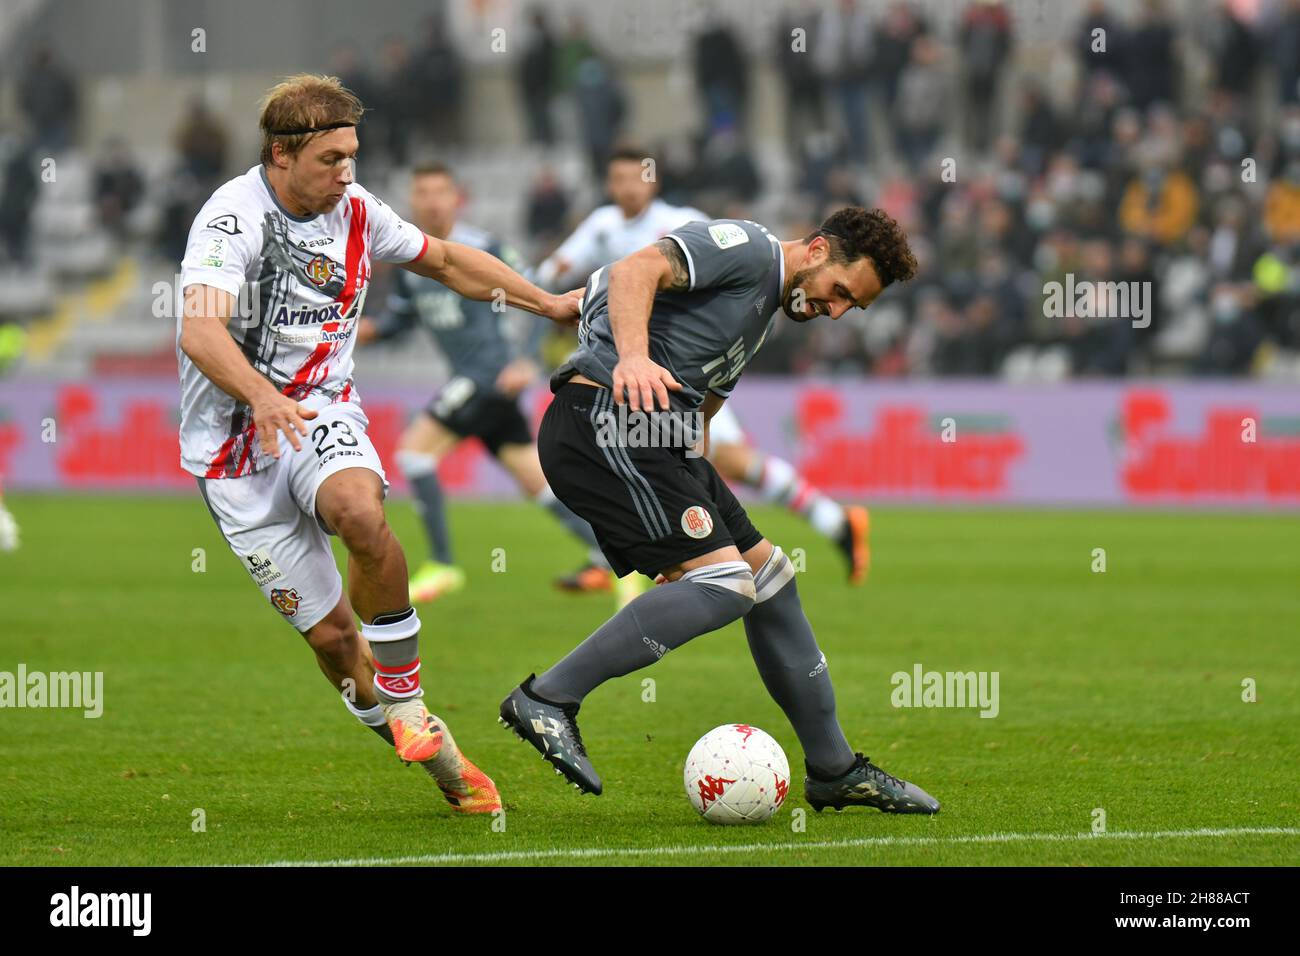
394,642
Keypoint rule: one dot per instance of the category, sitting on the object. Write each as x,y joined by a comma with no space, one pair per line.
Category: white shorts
724,428
269,517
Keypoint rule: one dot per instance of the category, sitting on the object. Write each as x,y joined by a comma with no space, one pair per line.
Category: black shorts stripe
638,488
652,499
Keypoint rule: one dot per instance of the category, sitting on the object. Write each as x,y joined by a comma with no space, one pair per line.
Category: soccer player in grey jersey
671,328
636,217
489,370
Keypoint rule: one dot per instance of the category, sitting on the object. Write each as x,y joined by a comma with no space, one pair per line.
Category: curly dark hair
854,232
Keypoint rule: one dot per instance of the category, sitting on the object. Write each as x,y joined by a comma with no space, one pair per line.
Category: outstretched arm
476,274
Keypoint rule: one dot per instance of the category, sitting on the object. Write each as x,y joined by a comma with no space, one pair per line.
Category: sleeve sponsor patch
727,234
214,255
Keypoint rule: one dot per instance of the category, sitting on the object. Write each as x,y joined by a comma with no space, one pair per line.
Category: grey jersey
705,335
475,338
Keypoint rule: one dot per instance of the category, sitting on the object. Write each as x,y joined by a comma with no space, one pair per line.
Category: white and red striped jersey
301,283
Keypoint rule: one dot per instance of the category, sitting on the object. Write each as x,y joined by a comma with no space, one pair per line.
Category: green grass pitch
1119,690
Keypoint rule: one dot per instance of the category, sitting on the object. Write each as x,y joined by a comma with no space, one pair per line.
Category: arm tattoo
676,258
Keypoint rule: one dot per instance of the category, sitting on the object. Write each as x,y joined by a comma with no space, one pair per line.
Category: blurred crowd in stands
1137,173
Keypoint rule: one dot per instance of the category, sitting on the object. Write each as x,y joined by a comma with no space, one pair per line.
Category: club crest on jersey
697,522
319,270
285,600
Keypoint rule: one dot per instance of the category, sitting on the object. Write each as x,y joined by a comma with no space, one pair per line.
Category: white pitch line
588,853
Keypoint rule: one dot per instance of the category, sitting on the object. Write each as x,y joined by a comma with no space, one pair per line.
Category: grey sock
433,512
793,667
576,525
663,618
421,471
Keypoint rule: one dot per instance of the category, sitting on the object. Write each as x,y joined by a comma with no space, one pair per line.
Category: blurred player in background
272,425
12,341
672,327
636,218
489,370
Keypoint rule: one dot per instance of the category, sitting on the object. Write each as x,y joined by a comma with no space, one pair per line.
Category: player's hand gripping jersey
304,279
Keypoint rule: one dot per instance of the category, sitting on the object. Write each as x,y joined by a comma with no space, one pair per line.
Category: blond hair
304,101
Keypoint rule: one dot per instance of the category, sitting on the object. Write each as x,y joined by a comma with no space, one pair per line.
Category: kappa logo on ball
320,270
697,522
286,600
713,787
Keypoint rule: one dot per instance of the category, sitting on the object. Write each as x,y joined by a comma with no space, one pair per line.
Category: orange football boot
417,734
855,542
590,577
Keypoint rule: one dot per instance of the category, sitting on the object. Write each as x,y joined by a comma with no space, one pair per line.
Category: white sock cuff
545,496
394,631
415,464
778,478
388,691
775,574
371,717
732,575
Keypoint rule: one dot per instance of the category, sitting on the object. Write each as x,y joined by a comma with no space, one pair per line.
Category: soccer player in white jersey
12,339
636,218
272,425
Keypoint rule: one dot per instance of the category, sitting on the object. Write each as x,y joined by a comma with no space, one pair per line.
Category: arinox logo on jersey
311,315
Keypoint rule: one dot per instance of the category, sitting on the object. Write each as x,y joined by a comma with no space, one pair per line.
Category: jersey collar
270,191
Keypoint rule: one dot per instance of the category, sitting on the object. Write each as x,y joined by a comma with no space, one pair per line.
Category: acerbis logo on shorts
285,600
697,522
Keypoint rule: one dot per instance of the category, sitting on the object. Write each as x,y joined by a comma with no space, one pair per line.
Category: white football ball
737,774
